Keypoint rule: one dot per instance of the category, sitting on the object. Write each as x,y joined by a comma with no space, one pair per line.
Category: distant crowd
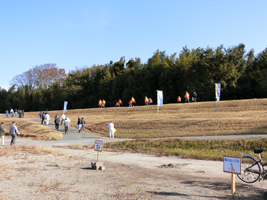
15,113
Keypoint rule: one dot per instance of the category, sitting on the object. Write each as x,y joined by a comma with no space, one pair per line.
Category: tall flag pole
159,99
65,106
217,93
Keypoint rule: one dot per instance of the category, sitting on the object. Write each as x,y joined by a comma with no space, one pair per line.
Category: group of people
13,131
148,101
187,98
118,103
81,124
63,120
101,103
45,117
15,113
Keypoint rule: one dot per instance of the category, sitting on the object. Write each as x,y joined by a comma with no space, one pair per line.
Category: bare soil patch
68,175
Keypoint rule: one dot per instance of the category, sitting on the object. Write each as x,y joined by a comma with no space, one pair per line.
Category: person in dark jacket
83,124
79,124
57,121
195,97
43,118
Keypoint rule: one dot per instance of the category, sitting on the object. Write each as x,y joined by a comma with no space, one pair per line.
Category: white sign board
232,165
98,145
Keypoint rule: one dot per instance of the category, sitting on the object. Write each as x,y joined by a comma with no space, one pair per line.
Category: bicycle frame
257,161
262,165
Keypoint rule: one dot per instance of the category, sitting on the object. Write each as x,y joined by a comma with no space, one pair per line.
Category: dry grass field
192,119
46,173
30,130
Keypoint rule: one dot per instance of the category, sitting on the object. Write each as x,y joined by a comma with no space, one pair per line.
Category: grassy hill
192,119
31,130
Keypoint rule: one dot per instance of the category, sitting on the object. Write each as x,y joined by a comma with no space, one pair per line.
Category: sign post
159,99
98,147
232,165
217,93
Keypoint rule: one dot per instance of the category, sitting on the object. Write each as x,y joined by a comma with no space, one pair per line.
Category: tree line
242,75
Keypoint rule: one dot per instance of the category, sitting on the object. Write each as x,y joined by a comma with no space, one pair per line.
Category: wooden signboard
98,145
232,165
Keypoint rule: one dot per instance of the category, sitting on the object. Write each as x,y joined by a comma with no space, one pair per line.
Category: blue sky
79,33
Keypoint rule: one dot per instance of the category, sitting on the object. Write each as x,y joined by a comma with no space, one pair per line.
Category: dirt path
127,176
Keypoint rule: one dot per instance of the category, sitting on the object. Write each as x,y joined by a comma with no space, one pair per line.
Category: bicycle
252,168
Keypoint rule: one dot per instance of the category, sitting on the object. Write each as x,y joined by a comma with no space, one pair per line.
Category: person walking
103,103
47,117
150,101
100,103
79,124
20,113
186,96
41,115
130,103
133,101
120,102
194,97
13,131
83,123
111,130
57,121
66,124
146,101
43,118
7,113
12,112
63,116
57,116
2,134
179,99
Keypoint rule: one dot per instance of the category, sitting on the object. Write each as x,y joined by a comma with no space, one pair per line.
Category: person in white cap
13,131
111,130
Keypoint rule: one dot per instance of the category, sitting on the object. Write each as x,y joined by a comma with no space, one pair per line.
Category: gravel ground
127,176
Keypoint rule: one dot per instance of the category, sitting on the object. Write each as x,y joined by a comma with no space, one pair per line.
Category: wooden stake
233,186
97,156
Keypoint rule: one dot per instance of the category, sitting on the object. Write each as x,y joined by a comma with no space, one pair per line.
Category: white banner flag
65,106
159,98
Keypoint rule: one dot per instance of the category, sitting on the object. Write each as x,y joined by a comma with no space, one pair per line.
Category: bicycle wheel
250,171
